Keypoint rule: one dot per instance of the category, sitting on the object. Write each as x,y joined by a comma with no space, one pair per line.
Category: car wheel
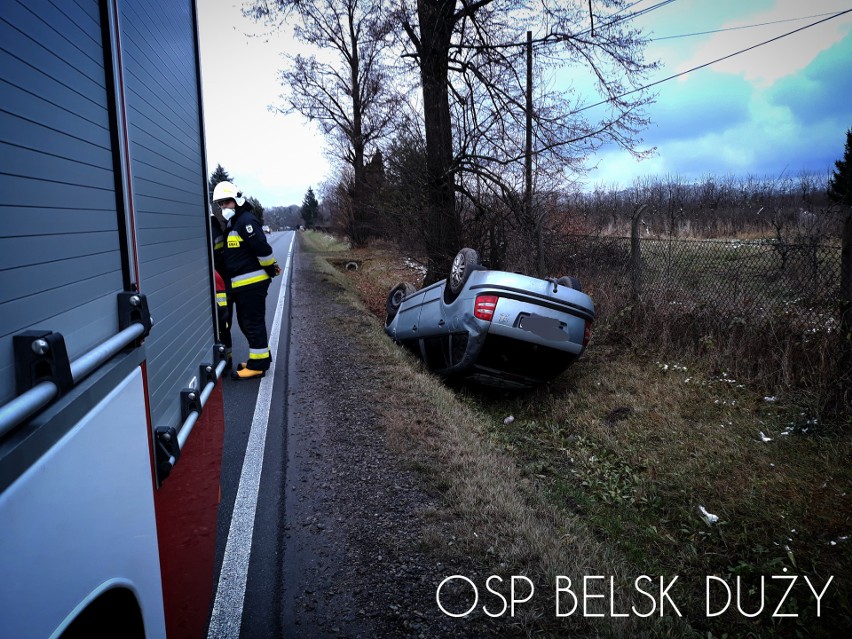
464,264
570,282
395,297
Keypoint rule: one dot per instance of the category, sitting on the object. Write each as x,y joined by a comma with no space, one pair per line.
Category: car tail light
587,334
484,307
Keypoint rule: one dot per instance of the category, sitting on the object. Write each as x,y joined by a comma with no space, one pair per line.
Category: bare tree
355,102
469,54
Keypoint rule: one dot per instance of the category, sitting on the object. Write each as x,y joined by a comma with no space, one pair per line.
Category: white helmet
225,191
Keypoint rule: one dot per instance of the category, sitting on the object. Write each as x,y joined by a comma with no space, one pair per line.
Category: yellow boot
247,373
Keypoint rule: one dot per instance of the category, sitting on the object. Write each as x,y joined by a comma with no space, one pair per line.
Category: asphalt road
254,570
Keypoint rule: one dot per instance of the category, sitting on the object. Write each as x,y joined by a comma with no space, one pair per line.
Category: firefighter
248,266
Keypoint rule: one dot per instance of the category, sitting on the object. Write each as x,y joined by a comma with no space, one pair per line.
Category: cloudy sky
779,109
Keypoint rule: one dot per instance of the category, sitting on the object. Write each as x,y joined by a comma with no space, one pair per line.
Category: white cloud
768,63
733,117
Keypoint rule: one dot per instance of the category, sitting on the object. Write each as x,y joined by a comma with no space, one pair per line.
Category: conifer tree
840,182
257,208
310,208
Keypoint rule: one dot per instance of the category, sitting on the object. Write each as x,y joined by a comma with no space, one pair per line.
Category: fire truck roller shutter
166,156
60,250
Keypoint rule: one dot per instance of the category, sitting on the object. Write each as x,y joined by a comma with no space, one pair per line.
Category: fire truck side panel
186,506
103,195
161,94
68,534
165,141
60,256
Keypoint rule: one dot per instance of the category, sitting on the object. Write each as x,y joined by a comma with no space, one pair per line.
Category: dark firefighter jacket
246,257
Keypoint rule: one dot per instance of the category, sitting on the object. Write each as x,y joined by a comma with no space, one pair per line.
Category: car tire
465,262
395,297
570,282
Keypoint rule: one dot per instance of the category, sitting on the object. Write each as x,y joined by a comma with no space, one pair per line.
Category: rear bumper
531,322
519,363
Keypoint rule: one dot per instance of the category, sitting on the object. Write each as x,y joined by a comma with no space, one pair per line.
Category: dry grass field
634,462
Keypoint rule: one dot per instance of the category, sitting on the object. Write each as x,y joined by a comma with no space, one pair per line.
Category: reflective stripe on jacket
249,278
245,249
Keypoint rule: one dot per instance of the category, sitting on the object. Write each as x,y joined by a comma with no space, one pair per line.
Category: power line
553,38
629,16
746,26
622,10
707,64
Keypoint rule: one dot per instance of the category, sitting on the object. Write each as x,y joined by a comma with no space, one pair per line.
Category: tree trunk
443,226
359,228
533,221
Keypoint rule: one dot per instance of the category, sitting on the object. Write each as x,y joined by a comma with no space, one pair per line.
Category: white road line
231,590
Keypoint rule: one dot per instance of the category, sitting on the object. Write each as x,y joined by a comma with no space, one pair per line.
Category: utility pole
532,224
528,149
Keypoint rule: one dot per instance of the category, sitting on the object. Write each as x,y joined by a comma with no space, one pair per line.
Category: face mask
228,214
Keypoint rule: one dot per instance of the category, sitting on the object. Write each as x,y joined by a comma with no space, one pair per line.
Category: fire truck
111,416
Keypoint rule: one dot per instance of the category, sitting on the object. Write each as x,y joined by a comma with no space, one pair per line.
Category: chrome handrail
170,441
17,411
189,424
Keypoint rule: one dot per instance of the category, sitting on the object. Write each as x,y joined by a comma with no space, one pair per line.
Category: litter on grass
710,518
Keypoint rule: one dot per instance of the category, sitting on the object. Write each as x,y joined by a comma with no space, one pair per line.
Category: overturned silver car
494,327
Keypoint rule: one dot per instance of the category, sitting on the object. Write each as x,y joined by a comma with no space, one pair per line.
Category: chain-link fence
752,280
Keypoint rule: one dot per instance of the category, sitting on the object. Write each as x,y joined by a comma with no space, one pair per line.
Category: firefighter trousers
251,315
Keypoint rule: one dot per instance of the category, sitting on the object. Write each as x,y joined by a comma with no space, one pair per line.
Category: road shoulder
358,516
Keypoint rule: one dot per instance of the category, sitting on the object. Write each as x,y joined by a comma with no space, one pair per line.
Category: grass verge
605,472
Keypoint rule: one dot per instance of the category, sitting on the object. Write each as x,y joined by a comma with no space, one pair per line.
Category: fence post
636,254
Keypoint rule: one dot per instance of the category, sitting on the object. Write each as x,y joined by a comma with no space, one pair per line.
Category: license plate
547,328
